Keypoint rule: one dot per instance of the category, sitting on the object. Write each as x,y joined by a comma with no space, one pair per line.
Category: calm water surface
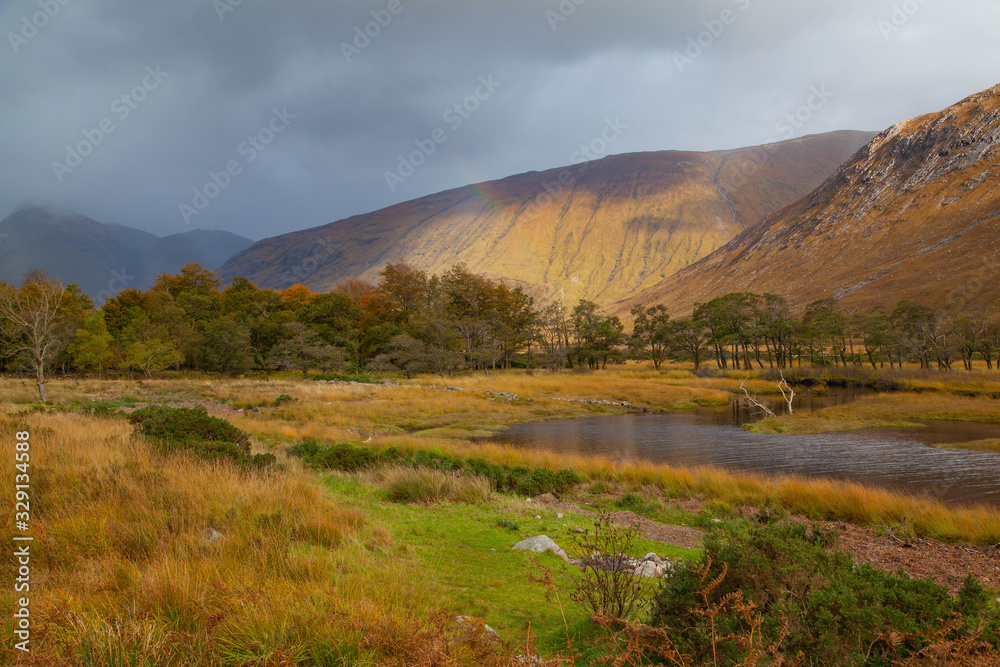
891,458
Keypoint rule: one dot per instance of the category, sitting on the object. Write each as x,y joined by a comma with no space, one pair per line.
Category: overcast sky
122,109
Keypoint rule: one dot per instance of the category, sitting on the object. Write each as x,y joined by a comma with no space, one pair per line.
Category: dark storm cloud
686,75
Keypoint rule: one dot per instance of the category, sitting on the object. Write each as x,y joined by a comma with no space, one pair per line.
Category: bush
519,480
609,586
831,610
193,430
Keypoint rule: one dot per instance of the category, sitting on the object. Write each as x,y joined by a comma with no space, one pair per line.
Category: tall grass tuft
428,486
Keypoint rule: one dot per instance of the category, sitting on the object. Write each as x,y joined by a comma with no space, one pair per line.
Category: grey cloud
353,119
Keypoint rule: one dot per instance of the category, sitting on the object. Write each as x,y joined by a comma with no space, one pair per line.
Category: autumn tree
148,347
302,348
92,349
29,316
552,332
651,333
597,336
688,338
227,347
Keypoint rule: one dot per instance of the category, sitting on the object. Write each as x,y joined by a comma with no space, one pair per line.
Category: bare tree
752,402
29,315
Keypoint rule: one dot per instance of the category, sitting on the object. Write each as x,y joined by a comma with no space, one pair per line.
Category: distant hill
914,215
602,230
100,257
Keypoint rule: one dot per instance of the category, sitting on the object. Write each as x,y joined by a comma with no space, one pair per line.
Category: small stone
578,531
538,516
651,558
541,544
212,536
559,515
529,500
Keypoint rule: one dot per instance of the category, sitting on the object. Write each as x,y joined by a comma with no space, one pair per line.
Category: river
898,459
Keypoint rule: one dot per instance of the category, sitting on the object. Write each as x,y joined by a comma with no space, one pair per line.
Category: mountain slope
914,215
601,230
102,258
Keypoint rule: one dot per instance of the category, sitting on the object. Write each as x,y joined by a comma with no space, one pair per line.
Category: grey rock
538,516
578,531
651,557
541,544
559,515
212,536
649,570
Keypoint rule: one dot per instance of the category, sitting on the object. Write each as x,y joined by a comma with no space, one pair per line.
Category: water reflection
891,458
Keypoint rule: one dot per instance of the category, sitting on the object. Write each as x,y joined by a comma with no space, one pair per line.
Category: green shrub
347,458
193,430
836,613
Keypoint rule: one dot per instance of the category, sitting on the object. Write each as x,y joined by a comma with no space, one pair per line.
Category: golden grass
899,410
428,486
125,575
670,389
992,446
414,417
813,423
122,567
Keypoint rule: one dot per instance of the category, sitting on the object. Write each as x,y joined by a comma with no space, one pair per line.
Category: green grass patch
463,554
514,479
992,446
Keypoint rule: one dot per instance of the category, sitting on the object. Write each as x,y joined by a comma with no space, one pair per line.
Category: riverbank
174,560
896,410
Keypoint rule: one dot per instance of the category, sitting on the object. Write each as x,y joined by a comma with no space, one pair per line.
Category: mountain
600,230
103,258
914,215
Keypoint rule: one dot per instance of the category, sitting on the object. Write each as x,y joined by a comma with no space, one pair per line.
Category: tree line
413,322
745,330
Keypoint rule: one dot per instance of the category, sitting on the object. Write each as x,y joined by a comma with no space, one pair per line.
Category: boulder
541,544
649,569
